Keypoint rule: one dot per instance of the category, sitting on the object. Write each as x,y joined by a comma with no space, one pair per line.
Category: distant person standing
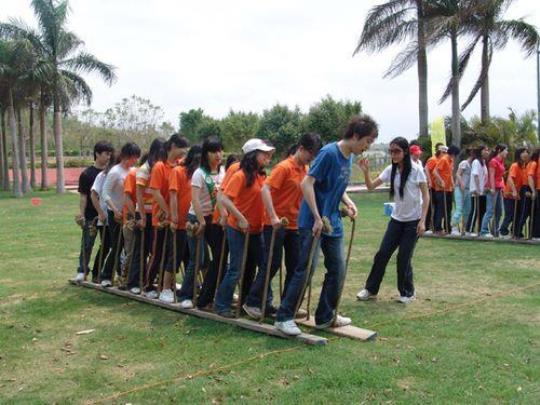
477,186
462,194
495,186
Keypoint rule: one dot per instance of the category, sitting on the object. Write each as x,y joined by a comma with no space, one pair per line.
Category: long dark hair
310,141
517,156
251,167
232,158
407,166
496,150
477,154
192,160
177,140
536,155
210,144
155,154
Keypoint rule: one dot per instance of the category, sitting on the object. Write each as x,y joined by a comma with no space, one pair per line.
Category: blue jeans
400,235
254,259
286,239
463,206
493,209
332,248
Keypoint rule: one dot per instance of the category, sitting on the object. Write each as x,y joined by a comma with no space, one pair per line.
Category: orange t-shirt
159,180
445,166
430,165
181,184
247,200
130,189
284,182
516,173
533,170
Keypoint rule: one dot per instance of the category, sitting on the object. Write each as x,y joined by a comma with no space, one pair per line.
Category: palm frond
524,33
480,81
45,13
403,61
75,87
85,62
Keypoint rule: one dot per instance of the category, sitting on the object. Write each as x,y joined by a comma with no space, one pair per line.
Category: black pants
536,219
478,209
442,197
136,259
400,235
103,251
112,262
214,237
512,208
525,210
159,254
431,211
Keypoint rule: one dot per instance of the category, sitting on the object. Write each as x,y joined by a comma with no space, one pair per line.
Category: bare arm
309,196
421,228
492,179
370,184
83,201
160,201
128,202
174,207
459,179
269,205
352,211
532,186
95,202
196,201
229,205
438,177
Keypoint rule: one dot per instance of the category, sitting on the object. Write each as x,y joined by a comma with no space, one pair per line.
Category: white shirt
199,180
482,172
113,188
408,208
97,187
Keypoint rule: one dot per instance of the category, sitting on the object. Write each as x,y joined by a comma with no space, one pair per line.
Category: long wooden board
480,239
348,331
241,322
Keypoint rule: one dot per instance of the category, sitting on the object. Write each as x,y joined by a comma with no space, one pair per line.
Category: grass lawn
472,336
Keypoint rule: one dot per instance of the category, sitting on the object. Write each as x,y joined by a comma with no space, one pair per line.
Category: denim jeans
87,245
493,210
254,259
332,249
512,208
442,198
112,262
400,235
137,260
463,206
285,239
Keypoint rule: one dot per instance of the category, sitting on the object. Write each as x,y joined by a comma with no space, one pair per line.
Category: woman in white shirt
477,187
408,221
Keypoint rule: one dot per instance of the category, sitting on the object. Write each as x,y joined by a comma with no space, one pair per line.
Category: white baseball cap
257,144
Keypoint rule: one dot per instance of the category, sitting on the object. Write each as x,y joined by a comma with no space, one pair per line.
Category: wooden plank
348,331
241,322
480,239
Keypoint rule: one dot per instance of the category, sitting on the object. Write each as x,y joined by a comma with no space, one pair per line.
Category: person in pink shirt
494,189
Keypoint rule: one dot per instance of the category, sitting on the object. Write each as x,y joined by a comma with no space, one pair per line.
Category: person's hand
317,227
421,227
514,194
141,223
102,217
243,224
462,187
363,164
118,215
200,229
352,211
276,222
440,183
223,220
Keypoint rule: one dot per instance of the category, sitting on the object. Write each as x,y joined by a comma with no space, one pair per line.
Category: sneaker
340,321
253,312
135,290
235,298
455,232
106,283
288,328
505,236
227,314
79,277
406,300
186,304
151,294
167,296
178,286
535,239
487,236
364,295
473,235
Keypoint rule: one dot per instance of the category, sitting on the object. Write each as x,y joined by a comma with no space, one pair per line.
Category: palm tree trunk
456,112
4,171
484,91
32,146
59,147
422,73
22,153
15,150
44,145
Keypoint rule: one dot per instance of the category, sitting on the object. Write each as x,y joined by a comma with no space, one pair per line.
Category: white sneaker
535,239
428,233
106,283
406,300
253,312
186,304
342,321
455,232
135,290
487,236
364,295
505,236
151,294
288,328
166,296
473,235
79,277
178,286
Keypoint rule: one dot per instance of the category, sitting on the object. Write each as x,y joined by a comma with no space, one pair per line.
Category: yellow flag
438,133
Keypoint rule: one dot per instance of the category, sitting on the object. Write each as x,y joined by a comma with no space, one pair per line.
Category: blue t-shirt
331,171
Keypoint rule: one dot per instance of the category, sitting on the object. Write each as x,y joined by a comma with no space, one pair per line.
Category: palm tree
394,22
60,64
488,27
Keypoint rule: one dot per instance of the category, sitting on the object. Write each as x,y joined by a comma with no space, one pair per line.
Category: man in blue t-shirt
324,189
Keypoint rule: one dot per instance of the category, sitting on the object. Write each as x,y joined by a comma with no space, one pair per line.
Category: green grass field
472,336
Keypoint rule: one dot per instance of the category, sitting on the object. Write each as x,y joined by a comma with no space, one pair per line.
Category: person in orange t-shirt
512,195
444,187
282,196
175,147
242,199
429,167
534,184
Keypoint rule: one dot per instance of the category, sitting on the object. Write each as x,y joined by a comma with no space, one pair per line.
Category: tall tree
395,22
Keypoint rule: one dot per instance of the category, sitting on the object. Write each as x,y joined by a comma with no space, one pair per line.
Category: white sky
249,55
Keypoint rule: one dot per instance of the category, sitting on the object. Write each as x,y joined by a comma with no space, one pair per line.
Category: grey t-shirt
465,167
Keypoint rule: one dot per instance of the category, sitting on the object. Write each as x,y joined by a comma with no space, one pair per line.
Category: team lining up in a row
181,199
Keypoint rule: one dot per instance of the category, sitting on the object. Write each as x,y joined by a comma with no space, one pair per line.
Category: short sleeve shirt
206,181
86,180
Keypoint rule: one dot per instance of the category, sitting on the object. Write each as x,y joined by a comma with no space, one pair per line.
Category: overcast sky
249,55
